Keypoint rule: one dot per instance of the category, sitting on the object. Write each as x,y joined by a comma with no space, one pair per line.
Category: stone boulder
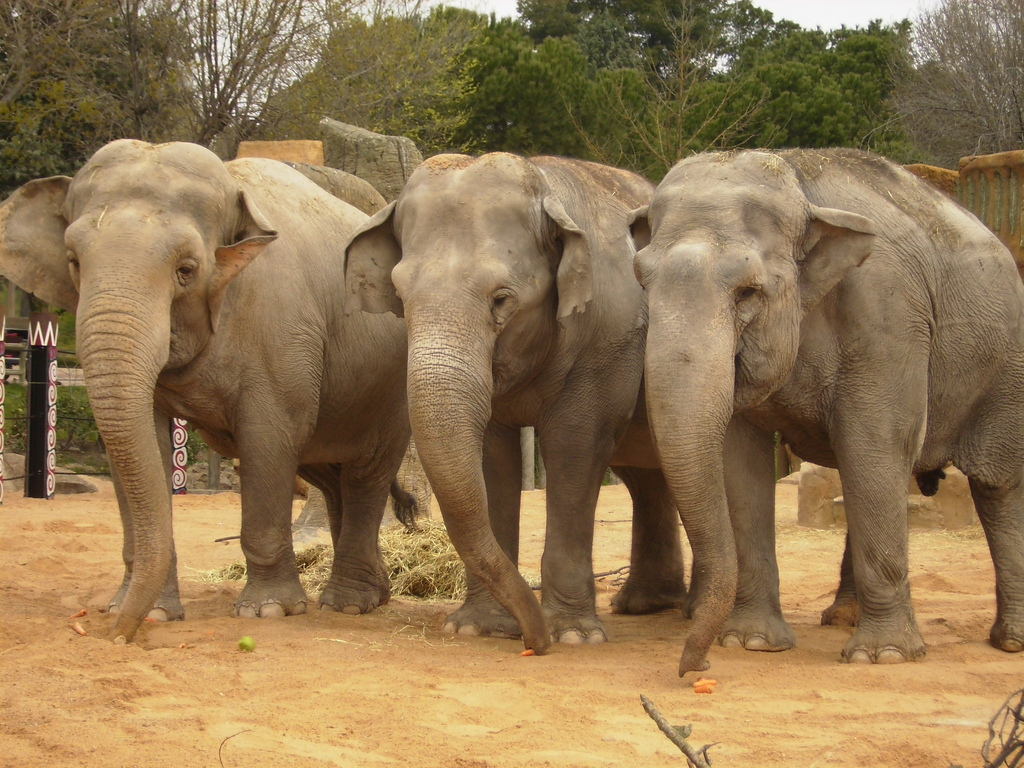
14,467
384,161
345,186
820,500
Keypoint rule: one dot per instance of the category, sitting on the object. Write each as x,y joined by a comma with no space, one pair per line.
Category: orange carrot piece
79,615
528,652
79,628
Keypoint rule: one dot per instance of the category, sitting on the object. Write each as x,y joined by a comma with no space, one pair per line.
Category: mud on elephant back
833,297
211,292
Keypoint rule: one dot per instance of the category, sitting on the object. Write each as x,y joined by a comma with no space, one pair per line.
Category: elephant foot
165,609
1006,639
353,598
264,602
757,633
574,629
640,596
876,648
482,618
844,612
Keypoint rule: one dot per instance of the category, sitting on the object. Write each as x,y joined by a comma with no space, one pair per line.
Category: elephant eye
502,301
185,273
73,259
746,292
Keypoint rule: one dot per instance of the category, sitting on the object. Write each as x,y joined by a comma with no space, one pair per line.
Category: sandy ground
326,689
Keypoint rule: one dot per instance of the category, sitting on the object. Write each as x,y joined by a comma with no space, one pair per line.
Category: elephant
515,278
832,297
212,292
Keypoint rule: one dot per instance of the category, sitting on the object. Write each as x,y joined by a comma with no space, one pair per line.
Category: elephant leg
267,473
1001,511
843,611
359,580
656,572
876,449
480,613
168,606
756,621
576,453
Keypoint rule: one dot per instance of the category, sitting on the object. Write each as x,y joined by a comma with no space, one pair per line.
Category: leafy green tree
821,89
525,98
55,75
396,71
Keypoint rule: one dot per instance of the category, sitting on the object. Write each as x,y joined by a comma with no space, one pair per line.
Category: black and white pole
179,455
41,435
3,391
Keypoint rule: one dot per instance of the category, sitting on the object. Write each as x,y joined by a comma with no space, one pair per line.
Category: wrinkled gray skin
833,297
515,278
212,292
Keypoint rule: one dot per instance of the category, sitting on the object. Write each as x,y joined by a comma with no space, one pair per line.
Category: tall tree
394,69
965,93
525,98
55,78
241,54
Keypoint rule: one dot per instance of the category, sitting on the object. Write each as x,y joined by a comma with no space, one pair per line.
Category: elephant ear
640,226
835,242
252,234
574,277
32,250
370,256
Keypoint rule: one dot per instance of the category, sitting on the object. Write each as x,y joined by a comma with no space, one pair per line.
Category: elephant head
484,263
732,257
141,244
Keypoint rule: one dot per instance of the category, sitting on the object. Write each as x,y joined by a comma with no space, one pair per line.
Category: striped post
41,435
3,390
179,456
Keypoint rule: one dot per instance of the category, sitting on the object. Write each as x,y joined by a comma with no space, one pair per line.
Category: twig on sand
221,747
616,572
1005,738
697,758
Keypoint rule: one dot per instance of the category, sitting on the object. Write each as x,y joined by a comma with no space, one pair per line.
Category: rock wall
384,161
820,500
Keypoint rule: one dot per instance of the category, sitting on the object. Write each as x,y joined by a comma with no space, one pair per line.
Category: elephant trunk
123,343
450,389
690,379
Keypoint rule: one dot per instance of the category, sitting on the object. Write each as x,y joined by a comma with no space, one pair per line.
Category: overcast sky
827,14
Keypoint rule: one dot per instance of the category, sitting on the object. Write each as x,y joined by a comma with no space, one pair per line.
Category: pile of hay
421,563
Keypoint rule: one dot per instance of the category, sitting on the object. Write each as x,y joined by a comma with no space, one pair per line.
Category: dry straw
421,563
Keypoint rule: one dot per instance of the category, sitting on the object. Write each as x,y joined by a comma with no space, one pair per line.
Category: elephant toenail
469,629
731,641
571,637
890,656
272,611
351,610
860,656
757,643
157,614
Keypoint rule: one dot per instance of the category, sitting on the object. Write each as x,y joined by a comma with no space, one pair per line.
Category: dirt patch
388,688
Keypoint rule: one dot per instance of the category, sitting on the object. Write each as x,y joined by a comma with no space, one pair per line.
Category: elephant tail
404,505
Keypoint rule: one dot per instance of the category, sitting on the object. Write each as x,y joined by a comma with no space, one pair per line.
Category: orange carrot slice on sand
79,628
79,615
528,652
704,685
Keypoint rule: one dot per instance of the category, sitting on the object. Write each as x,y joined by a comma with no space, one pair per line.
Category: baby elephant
833,297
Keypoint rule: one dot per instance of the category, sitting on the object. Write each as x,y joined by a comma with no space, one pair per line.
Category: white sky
827,14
